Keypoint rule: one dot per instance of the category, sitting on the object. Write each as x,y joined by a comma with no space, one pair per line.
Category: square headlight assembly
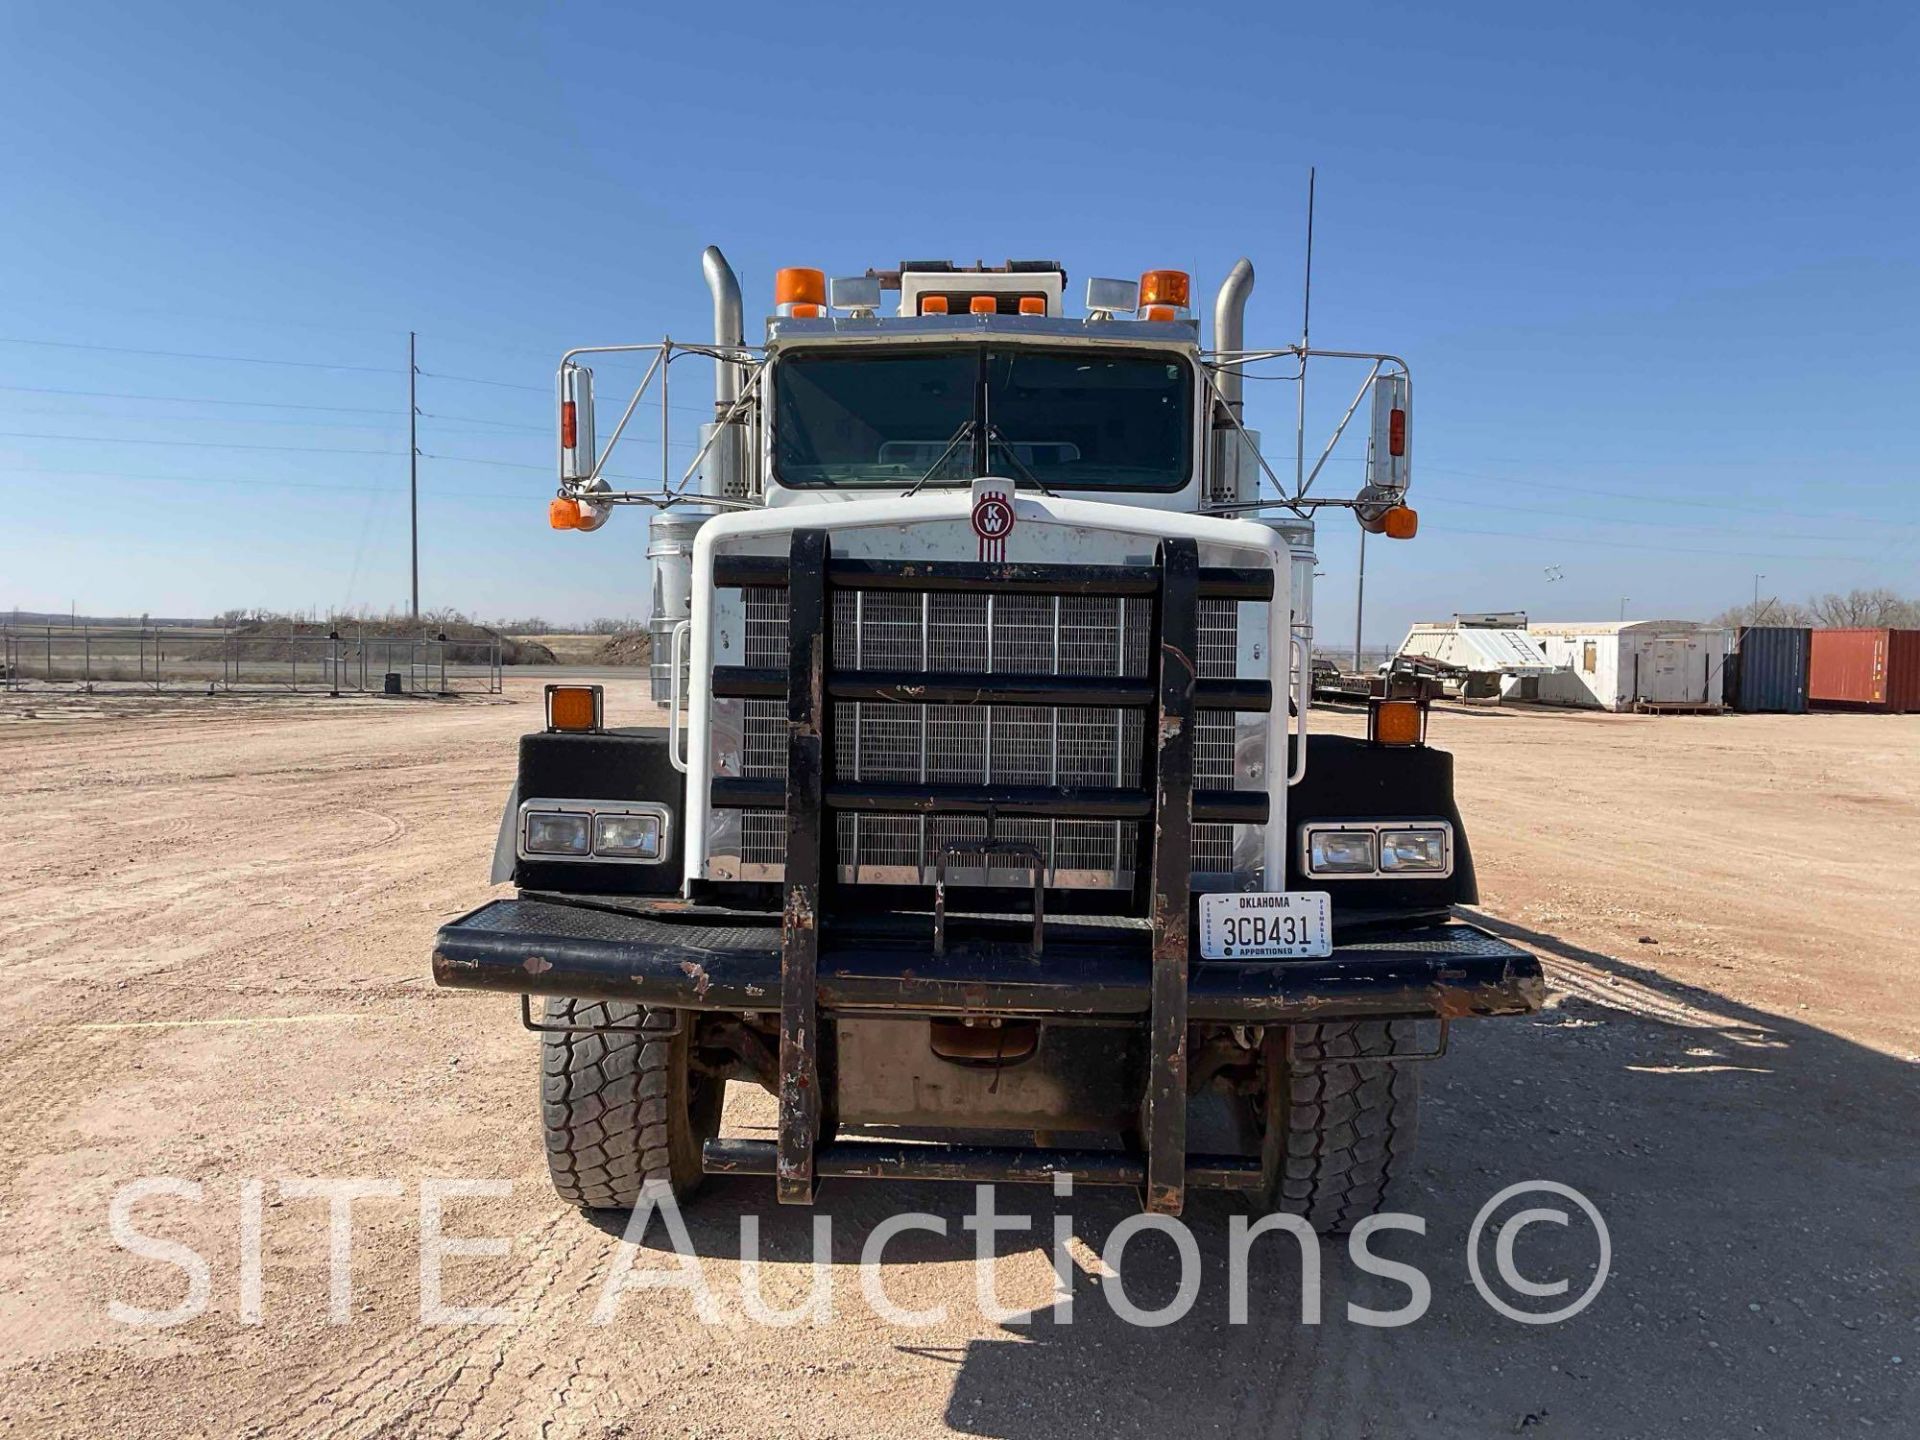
554,833
627,837
1341,852
1413,852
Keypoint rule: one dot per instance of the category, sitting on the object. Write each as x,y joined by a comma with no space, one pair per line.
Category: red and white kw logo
992,522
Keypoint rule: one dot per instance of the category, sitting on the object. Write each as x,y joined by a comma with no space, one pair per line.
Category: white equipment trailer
1494,649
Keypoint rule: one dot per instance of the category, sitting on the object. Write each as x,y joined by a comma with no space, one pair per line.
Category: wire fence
252,659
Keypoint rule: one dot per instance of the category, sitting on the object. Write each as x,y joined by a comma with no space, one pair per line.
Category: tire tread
1349,1128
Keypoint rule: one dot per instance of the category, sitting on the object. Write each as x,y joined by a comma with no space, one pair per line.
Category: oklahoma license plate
1288,925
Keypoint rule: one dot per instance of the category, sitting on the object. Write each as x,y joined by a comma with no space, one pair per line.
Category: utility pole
1360,602
1306,326
1623,607
1756,591
413,464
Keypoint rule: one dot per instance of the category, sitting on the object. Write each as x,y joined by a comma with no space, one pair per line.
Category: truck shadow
1746,1167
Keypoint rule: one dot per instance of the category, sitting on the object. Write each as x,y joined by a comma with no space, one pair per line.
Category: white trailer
1645,665
1492,649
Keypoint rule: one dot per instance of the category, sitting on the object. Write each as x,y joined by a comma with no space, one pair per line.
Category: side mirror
577,451
1390,455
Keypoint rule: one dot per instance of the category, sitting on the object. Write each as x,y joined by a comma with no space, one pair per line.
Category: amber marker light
1165,287
1395,722
800,285
573,707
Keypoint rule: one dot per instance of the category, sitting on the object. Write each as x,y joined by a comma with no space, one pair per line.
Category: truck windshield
1066,419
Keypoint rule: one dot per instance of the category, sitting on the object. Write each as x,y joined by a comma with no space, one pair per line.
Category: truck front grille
983,744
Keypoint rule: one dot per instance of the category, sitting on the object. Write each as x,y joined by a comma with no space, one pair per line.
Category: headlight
627,837
1404,851
1341,852
1377,849
551,834
625,832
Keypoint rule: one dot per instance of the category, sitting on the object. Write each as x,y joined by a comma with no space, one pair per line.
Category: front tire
1337,1134
622,1106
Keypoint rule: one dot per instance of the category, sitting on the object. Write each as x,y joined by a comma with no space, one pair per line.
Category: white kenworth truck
985,830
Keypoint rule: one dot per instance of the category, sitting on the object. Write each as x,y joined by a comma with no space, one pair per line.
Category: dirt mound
466,643
634,648
525,652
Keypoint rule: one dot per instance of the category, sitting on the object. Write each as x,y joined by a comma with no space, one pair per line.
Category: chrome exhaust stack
723,474
1230,330
728,324
1236,466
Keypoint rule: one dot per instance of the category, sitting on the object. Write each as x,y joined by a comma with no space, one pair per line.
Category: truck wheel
622,1106
1337,1134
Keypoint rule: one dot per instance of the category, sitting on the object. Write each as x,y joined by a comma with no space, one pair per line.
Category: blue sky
1654,266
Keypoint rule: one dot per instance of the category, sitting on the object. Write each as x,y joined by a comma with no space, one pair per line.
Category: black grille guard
823,954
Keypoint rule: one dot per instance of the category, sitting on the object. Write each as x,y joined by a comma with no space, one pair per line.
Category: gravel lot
215,934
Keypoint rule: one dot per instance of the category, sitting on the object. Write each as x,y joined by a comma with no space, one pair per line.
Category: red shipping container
1866,669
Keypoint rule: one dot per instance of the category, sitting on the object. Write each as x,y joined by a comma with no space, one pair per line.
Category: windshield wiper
994,437
965,431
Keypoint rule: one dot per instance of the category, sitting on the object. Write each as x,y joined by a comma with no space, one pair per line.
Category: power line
476,420
199,444
203,400
281,421
194,355
1634,545
256,483
1665,499
1452,500
476,380
524,465
544,390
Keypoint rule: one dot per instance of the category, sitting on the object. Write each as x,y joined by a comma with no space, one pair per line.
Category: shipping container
1633,664
1866,670
1767,671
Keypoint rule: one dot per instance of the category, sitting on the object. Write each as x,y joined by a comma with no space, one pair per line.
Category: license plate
1287,925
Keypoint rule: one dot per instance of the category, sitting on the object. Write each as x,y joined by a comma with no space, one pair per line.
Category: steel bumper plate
707,960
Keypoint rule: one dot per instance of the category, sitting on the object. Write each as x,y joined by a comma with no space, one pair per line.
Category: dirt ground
215,931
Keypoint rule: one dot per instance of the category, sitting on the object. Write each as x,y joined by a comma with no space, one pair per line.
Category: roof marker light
1165,287
983,305
1033,305
933,305
798,285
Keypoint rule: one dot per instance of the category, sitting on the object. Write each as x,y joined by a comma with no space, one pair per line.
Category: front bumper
683,956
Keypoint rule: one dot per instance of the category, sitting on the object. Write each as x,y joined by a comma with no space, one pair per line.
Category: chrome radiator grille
984,744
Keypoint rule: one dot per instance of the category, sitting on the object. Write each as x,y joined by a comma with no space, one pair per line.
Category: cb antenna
1306,318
